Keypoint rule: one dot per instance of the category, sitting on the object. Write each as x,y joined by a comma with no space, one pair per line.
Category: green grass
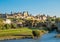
17,32
12,32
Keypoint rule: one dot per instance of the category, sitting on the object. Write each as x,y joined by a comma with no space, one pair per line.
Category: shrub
14,25
36,33
45,28
7,26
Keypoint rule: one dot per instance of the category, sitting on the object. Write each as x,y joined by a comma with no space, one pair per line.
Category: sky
47,7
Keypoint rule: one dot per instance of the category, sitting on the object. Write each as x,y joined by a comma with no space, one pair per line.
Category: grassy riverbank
17,33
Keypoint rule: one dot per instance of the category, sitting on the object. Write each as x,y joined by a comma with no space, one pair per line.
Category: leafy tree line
8,26
26,23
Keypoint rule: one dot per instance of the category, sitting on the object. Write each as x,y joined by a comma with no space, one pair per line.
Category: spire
11,13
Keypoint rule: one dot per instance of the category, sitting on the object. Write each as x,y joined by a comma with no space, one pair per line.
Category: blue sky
50,7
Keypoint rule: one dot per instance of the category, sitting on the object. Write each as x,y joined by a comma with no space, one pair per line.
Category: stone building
14,15
2,15
25,14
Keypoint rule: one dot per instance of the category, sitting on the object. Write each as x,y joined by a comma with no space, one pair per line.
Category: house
44,17
7,21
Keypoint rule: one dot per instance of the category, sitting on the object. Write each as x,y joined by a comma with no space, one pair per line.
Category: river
49,37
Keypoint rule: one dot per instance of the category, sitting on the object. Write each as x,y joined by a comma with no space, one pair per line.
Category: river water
49,37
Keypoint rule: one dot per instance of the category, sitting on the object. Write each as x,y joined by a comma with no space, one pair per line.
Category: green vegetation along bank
17,33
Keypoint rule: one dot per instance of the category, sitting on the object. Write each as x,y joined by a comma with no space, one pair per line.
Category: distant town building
14,15
7,21
41,17
25,14
44,17
2,15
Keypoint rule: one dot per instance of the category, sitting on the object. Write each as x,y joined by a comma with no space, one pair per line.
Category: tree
1,23
7,26
13,25
57,20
